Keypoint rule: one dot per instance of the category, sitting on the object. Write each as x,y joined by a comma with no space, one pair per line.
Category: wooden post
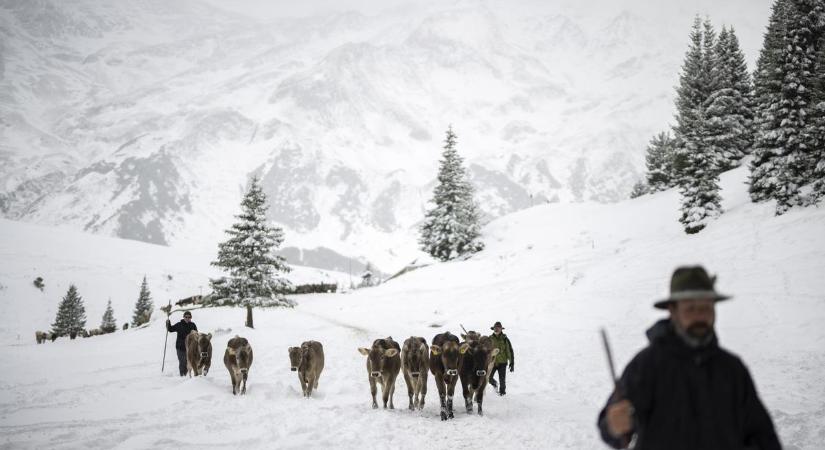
249,316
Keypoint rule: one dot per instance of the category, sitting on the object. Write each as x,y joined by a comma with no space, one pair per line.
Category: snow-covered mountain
552,274
144,119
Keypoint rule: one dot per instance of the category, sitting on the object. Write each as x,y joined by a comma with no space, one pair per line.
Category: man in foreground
684,391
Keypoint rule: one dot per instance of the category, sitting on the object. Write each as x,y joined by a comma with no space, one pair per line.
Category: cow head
205,345
377,356
415,356
480,355
295,357
471,336
241,352
449,352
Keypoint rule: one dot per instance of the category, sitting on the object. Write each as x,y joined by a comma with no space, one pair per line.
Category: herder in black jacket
183,328
684,391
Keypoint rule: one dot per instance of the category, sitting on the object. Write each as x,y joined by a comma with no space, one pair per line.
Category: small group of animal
447,358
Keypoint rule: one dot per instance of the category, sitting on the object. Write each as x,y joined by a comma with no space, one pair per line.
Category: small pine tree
248,255
659,163
143,306
71,315
108,324
451,228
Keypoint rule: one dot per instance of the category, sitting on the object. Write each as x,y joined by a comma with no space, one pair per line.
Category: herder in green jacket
505,354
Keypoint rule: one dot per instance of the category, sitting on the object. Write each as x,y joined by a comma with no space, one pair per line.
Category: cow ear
435,349
209,336
494,352
364,351
463,348
423,347
464,337
390,352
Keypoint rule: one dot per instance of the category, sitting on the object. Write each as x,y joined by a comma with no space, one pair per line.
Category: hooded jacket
691,398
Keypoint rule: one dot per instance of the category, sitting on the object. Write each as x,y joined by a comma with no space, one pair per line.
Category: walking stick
166,340
617,391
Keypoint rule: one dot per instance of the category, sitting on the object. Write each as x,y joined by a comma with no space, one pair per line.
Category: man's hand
620,418
511,367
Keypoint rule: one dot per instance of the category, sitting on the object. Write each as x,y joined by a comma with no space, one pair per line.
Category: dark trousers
182,361
501,369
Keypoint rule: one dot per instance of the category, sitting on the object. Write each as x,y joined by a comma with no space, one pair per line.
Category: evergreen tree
768,82
143,306
795,132
729,112
659,163
71,315
108,324
451,228
818,107
247,255
695,158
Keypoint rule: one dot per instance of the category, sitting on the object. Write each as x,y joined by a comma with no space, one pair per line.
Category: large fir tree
71,315
695,159
659,163
768,82
729,112
795,131
247,255
108,324
818,120
451,227
143,306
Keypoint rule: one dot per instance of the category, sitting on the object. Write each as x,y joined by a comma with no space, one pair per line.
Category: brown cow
308,361
198,353
383,365
238,359
474,369
41,336
444,355
414,364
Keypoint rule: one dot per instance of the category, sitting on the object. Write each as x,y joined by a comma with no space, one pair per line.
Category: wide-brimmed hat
691,283
497,324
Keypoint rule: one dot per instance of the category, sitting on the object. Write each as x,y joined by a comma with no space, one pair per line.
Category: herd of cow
447,358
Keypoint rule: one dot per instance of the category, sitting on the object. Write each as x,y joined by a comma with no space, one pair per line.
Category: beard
699,330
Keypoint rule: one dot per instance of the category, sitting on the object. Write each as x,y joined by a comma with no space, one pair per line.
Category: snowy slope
159,111
553,274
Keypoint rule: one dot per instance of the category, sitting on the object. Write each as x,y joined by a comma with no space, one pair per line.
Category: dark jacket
691,398
183,329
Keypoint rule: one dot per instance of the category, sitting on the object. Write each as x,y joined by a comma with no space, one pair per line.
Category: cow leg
410,388
392,392
450,394
234,382
468,397
310,385
423,388
439,382
303,383
243,389
479,399
373,391
385,391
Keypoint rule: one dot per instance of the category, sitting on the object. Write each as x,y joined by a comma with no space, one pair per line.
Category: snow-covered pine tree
247,255
729,114
818,121
108,324
451,227
71,314
659,163
143,306
795,127
695,158
768,82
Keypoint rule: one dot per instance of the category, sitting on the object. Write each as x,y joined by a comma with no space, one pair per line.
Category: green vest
504,348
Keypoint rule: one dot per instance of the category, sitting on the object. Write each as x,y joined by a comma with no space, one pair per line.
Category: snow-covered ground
553,274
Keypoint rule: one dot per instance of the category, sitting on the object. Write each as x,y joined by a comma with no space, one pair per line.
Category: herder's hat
691,283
